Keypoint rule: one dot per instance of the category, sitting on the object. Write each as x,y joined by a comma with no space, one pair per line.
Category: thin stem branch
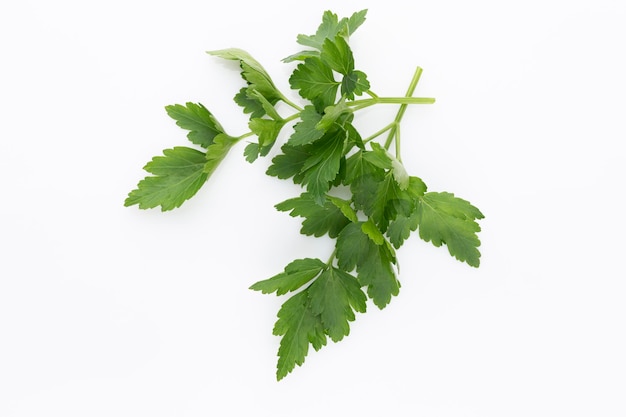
289,102
391,100
245,135
394,130
380,132
329,263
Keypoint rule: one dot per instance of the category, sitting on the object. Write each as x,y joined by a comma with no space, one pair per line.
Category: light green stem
394,131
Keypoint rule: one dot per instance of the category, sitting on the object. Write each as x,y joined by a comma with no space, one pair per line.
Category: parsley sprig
355,190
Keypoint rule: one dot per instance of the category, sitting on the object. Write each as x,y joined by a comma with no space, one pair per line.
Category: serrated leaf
321,168
381,199
315,81
353,23
373,262
399,174
178,175
329,28
353,246
335,296
295,275
202,125
251,152
289,164
354,137
375,235
359,87
345,207
378,275
268,106
401,227
306,130
252,71
319,220
299,327
267,131
216,153
301,56
334,113
336,53
251,103
446,219
378,156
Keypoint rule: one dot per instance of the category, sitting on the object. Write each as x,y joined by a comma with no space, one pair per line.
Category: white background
113,311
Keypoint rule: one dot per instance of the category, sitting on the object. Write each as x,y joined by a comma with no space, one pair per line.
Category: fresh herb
355,190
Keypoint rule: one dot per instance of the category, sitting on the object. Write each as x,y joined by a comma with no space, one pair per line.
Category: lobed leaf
289,164
446,219
178,175
202,125
331,26
306,130
315,81
299,327
336,53
216,153
335,296
318,220
323,165
295,275
358,246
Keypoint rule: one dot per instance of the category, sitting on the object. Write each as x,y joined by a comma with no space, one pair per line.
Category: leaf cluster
354,190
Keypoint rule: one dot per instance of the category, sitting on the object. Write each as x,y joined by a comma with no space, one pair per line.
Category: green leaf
251,103
202,126
339,112
267,131
289,164
319,220
336,53
321,168
251,152
331,26
299,327
377,273
268,106
252,71
216,153
354,137
370,229
379,157
301,56
399,174
361,85
373,261
382,199
178,175
401,227
356,20
335,296
306,130
353,246
446,219
345,207
360,167
315,81
295,275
